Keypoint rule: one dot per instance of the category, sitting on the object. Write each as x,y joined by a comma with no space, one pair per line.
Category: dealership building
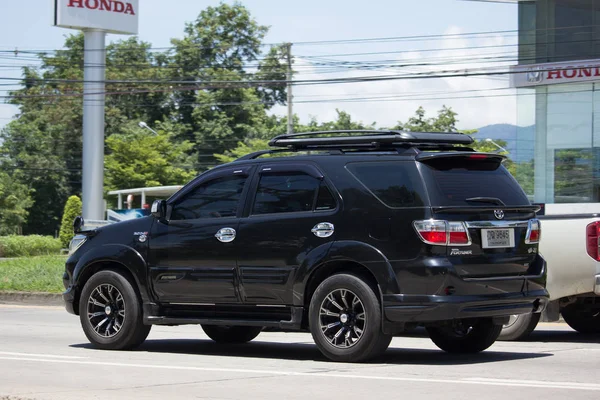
558,100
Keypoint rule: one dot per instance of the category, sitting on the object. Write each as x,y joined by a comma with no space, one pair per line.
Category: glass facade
559,125
558,30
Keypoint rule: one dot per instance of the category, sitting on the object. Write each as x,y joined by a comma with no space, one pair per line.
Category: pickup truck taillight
443,233
592,244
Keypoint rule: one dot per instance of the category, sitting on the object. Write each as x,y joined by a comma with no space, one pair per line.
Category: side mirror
77,224
158,209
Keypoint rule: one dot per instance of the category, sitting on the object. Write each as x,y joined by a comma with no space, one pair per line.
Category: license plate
497,238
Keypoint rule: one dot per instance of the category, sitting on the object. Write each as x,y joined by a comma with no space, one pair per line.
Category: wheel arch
336,267
354,256
118,258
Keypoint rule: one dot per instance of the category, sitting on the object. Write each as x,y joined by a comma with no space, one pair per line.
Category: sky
27,25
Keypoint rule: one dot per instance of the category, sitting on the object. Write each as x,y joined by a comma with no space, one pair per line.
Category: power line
444,36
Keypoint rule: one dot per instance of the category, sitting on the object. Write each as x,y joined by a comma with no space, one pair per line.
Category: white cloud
484,107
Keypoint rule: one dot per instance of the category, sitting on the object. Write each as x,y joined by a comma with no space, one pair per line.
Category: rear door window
452,181
289,192
395,183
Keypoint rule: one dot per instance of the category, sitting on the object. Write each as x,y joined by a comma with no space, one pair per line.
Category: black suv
355,236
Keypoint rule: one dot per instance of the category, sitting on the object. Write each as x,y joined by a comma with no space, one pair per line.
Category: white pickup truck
570,244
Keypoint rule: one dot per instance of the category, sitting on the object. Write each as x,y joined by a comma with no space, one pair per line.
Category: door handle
323,229
225,235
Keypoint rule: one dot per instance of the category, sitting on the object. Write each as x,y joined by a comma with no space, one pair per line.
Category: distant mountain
519,139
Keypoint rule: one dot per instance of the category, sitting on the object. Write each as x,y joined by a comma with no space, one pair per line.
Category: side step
293,324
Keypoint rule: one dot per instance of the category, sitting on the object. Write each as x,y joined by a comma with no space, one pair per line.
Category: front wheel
519,326
345,320
111,312
581,318
231,334
465,336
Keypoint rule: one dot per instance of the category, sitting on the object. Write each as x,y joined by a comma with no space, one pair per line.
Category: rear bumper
413,308
597,285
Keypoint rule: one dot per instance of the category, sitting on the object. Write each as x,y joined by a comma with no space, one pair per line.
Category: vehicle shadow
309,352
561,336
544,335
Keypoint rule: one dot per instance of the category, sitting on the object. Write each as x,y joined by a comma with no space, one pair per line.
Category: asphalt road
44,355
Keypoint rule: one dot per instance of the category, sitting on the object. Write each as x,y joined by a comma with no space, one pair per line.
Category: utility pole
94,67
290,113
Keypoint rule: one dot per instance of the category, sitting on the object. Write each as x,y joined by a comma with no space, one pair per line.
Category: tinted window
453,181
285,192
325,200
218,198
395,183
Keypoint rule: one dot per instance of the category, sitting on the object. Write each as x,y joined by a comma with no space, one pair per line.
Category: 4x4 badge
499,214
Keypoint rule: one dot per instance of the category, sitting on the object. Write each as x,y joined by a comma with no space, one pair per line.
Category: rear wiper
491,200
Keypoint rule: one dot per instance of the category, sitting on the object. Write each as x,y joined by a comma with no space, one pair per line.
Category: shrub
72,210
24,246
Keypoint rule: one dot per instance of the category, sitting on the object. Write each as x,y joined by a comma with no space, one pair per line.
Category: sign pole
94,75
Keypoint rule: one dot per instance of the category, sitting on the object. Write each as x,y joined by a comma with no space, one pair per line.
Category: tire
358,316
582,319
465,336
519,326
231,334
110,312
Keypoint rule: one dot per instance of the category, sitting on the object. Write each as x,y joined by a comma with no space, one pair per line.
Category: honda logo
499,214
534,75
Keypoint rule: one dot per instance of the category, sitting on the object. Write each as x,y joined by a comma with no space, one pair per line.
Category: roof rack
367,139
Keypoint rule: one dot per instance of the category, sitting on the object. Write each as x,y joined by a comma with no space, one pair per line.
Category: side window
219,198
291,192
395,184
325,200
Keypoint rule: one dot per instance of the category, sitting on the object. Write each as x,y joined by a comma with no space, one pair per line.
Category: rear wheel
345,320
519,326
110,312
581,318
465,336
231,334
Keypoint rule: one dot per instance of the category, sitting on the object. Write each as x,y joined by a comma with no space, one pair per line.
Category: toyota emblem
499,214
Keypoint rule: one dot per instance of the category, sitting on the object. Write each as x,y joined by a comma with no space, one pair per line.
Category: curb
31,298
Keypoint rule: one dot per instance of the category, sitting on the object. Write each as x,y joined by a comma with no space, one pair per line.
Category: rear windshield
395,183
451,181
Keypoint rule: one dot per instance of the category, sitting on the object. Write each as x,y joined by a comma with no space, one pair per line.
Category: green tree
72,210
242,149
224,45
278,126
15,200
43,146
444,122
139,158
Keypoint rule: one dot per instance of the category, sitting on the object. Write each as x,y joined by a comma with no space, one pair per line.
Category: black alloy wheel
110,312
345,319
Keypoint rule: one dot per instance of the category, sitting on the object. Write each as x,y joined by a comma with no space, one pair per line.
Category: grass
28,246
33,274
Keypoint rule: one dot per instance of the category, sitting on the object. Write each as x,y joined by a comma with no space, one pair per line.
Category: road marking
31,306
8,353
566,385
468,381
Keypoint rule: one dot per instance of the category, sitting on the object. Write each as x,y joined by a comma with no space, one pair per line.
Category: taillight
534,232
592,243
458,233
443,233
432,232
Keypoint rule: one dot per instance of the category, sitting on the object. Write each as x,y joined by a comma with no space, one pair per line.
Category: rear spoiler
467,209
427,156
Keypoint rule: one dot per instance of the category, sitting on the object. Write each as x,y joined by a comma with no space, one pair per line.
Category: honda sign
113,16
